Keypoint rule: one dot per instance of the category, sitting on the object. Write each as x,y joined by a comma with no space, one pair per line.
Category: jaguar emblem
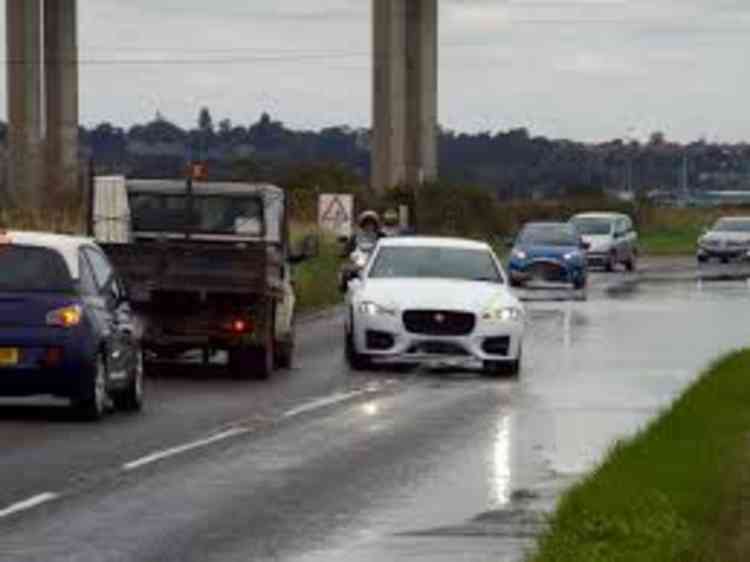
440,318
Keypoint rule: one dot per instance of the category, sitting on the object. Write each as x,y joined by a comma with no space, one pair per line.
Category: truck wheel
257,361
262,361
252,362
285,350
284,354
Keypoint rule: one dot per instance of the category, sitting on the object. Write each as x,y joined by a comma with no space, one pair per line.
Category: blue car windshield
33,270
549,235
435,263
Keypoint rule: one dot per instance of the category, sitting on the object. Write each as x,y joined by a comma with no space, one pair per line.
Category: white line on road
30,503
303,409
166,453
325,402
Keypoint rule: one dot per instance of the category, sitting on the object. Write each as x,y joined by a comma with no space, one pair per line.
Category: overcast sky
586,70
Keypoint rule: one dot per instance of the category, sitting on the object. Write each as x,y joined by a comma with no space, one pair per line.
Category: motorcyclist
360,246
368,232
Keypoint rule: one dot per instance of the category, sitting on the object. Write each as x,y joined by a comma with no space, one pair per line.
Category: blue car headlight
520,255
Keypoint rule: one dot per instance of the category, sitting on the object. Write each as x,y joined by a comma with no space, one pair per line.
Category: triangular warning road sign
336,212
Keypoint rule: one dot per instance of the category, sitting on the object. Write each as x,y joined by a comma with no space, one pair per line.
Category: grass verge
317,279
671,242
674,492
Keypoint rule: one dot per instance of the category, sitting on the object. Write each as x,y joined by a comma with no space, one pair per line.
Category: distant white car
434,301
611,238
727,239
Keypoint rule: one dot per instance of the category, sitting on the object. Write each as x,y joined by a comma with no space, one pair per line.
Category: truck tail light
239,326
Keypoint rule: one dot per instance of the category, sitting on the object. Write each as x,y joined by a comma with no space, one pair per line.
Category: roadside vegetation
679,491
63,221
316,280
672,232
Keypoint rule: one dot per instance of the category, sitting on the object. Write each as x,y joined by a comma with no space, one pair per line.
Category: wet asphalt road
322,465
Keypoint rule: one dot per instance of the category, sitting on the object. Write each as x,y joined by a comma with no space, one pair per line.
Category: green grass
674,492
63,220
317,279
670,242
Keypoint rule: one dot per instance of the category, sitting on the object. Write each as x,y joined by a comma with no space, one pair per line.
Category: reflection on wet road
596,371
430,466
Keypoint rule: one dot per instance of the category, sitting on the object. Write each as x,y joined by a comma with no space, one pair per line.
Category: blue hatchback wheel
131,399
95,401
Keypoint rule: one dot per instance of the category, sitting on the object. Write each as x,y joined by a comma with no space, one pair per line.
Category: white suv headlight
374,309
504,314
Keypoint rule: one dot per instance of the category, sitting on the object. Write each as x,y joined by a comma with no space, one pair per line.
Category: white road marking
166,453
30,503
303,409
325,402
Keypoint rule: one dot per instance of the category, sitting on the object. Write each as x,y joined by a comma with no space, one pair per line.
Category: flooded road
596,371
324,465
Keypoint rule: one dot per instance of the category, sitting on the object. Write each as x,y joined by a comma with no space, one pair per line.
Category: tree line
511,164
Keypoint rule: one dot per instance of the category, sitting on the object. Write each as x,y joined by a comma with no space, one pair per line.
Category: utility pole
630,172
684,175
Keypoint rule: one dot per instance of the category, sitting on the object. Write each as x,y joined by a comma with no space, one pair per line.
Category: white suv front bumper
490,340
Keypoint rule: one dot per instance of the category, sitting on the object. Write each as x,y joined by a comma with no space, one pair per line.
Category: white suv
611,237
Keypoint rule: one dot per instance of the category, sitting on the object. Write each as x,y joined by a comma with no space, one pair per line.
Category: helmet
391,217
368,216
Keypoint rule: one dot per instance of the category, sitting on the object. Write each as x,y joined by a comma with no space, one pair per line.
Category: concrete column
24,79
61,87
405,86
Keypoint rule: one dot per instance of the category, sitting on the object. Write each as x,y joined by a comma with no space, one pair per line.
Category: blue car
550,252
65,325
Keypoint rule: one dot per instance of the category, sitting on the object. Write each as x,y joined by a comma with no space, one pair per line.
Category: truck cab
207,266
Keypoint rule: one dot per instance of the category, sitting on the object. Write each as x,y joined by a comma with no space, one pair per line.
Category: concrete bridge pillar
405,93
25,131
42,100
61,85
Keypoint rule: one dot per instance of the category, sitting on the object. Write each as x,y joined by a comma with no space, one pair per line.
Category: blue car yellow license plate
9,356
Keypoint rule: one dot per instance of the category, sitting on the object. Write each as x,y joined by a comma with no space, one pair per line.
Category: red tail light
239,326
53,357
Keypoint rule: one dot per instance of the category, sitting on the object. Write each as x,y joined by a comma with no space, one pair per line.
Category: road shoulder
673,492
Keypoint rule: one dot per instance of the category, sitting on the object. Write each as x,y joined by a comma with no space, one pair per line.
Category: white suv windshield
436,263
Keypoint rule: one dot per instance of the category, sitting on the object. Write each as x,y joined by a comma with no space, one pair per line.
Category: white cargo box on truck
111,213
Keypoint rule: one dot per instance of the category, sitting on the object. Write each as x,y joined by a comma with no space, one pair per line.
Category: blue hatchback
65,325
551,252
